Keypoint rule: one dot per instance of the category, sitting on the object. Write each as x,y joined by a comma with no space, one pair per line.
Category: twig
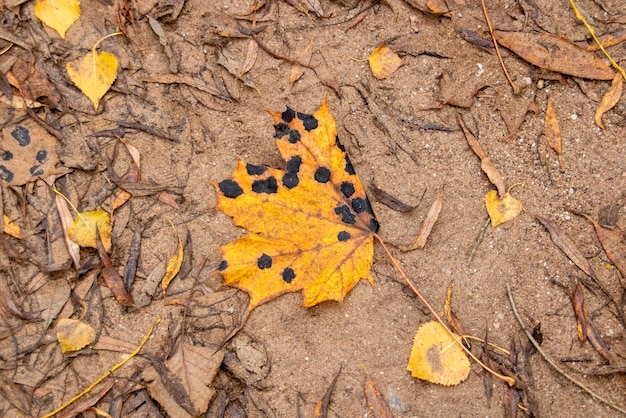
550,362
479,239
495,44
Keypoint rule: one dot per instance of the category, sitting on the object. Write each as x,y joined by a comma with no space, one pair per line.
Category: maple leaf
312,225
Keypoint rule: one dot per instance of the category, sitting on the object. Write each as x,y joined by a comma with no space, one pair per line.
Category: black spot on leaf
374,225
8,155
347,217
223,265
288,275
294,136
349,168
230,188
41,156
343,236
36,170
255,170
21,135
290,180
282,129
288,115
293,165
339,144
322,175
361,205
268,185
347,188
6,174
308,121
264,262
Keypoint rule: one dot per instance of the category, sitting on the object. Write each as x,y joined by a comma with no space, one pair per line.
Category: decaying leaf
610,99
389,200
58,14
321,407
306,6
437,357
66,221
11,228
113,280
74,334
431,218
501,210
173,265
83,230
238,68
384,62
375,399
552,128
312,224
613,243
556,54
94,74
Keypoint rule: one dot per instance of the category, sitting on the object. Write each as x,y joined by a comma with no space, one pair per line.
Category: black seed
288,115
294,136
36,171
288,275
282,129
347,217
290,180
223,265
5,173
322,175
21,135
8,155
255,170
293,165
41,156
268,185
230,188
308,121
349,168
374,225
339,144
264,262
347,188
343,236
361,205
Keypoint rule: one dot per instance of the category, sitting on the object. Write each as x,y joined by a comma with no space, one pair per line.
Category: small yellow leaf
83,230
553,131
74,334
383,62
437,357
58,14
11,229
610,99
173,266
501,210
93,74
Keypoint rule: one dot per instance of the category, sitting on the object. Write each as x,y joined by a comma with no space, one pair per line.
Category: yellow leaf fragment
58,14
173,266
552,128
83,230
11,228
437,357
610,99
74,334
501,210
384,62
93,74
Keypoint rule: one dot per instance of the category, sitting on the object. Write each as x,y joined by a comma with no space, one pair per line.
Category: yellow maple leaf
83,230
74,334
384,62
501,210
437,357
58,14
94,73
312,224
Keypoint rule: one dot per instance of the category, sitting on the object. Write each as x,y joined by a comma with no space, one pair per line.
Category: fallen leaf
173,266
437,357
613,243
321,407
11,228
58,14
297,70
552,128
66,221
375,399
74,334
87,402
384,62
93,74
312,224
83,230
34,85
389,200
610,99
501,210
451,316
113,280
427,226
556,54
195,82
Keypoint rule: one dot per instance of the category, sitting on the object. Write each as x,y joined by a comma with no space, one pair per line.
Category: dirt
402,136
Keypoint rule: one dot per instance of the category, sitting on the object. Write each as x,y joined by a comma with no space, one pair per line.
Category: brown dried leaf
556,54
375,399
112,278
610,99
321,408
15,395
87,401
173,265
427,225
552,128
66,220
614,245
389,200
297,70
451,316
306,6
195,82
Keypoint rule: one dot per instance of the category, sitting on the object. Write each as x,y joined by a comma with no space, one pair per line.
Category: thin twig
495,44
550,362
479,239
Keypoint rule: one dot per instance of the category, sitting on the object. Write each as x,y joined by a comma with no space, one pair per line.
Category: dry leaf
11,228
556,54
384,62
613,243
74,334
112,278
321,407
427,226
375,399
297,70
610,99
306,6
389,200
93,74
173,266
83,230
66,221
437,357
58,14
501,210
553,131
